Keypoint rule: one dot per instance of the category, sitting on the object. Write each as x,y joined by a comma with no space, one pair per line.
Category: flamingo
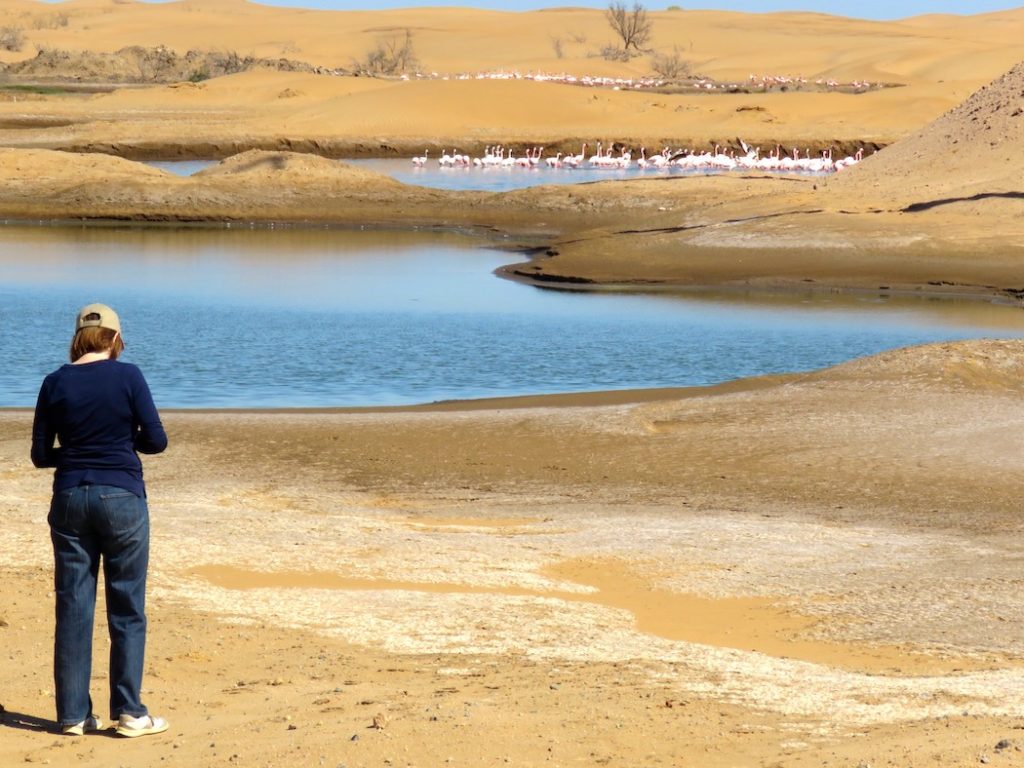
573,161
849,160
419,162
493,155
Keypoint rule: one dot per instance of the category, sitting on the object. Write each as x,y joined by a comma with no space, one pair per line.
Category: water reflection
293,268
916,308
254,318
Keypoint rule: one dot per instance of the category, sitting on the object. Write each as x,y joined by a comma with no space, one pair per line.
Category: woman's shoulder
130,374
57,373
128,370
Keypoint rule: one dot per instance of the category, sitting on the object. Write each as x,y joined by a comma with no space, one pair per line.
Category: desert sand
804,570
937,61
801,570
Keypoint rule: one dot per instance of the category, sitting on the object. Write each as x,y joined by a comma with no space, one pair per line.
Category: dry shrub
615,53
392,56
51,22
11,38
670,66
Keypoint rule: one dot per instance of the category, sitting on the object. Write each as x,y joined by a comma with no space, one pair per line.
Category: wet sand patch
756,624
230,577
759,625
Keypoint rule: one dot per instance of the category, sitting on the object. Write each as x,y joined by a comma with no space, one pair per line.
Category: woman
101,412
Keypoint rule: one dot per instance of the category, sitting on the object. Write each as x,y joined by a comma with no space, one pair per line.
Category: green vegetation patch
45,90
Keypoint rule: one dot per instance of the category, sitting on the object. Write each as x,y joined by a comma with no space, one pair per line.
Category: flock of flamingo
687,160
763,82
769,81
615,83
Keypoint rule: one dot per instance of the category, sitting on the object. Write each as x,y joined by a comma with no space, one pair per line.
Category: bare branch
392,56
632,25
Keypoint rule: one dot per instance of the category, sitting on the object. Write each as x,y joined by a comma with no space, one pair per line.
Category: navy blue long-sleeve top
102,414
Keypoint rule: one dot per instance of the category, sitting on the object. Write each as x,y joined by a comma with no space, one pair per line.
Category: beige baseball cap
97,316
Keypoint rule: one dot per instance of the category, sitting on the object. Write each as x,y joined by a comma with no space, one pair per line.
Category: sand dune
350,116
719,44
938,59
974,150
356,115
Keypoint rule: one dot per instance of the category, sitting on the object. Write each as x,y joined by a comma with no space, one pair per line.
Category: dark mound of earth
970,154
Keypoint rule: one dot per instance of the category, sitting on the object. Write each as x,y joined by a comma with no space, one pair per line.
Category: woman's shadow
22,722
35,724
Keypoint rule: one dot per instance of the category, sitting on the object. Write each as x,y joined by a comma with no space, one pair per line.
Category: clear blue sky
865,9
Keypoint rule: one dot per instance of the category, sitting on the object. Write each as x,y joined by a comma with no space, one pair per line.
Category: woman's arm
44,454
150,437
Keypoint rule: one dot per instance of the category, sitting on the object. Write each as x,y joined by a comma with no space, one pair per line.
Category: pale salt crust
836,571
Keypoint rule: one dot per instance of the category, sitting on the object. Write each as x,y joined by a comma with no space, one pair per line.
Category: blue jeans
87,523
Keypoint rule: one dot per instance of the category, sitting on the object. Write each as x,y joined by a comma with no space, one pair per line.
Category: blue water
181,167
468,178
277,318
503,179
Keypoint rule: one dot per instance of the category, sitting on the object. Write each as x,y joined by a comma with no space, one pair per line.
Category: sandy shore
787,572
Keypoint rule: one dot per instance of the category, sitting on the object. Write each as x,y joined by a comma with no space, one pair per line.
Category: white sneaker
140,726
91,724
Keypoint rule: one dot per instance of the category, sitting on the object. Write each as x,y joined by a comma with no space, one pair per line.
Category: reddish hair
93,339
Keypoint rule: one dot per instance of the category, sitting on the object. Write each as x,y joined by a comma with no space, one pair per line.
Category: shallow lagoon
492,179
329,317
